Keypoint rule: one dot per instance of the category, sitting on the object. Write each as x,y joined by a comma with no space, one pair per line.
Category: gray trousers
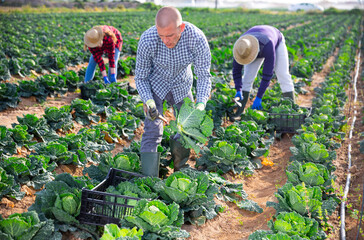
153,130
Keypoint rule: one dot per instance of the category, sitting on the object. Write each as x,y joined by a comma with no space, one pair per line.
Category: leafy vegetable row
308,198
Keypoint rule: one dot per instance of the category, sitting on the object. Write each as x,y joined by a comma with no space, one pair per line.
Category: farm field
54,143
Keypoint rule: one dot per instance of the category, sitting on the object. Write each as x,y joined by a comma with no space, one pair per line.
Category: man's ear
182,27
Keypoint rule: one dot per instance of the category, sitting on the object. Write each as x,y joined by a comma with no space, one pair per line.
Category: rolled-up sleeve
202,64
142,70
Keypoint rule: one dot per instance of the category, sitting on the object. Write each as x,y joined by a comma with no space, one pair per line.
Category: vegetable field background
42,64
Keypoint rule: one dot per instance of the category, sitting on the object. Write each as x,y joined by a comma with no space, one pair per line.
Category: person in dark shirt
100,40
260,44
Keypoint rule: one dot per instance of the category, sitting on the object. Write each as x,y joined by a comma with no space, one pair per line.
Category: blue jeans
90,71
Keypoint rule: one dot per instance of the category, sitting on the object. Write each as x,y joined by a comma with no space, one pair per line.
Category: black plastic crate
87,93
99,207
288,123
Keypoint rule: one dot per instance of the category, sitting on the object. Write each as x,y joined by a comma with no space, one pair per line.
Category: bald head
167,16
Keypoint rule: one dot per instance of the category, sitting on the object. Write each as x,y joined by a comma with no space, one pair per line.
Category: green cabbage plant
7,145
20,135
60,199
313,152
59,118
223,156
113,232
9,187
127,161
158,220
27,226
292,225
306,201
194,126
310,173
192,190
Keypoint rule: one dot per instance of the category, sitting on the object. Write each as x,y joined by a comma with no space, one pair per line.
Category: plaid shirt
161,70
108,47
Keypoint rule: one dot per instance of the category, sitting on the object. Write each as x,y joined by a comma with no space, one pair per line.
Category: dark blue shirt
269,38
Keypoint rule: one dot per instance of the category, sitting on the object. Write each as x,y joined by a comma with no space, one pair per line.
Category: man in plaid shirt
100,40
163,73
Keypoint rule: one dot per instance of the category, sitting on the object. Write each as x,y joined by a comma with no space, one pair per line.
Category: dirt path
260,187
317,79
31,106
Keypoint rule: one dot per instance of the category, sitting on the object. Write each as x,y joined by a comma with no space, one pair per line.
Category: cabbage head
183,189
310,173
26,226
158,220
68,202
112,231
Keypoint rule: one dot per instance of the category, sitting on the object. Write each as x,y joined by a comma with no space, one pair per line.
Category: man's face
170,35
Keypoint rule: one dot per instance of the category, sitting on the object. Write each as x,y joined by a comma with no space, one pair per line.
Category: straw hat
93,37
246,49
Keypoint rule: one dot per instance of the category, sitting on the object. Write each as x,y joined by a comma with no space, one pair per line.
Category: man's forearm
203,90
144,89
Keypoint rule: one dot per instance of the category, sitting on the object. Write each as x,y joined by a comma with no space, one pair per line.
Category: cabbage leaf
194,126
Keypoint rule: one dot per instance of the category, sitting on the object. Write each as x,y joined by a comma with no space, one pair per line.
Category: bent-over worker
100,40
261,44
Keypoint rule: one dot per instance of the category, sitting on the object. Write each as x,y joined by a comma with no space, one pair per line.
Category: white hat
246,49
93,37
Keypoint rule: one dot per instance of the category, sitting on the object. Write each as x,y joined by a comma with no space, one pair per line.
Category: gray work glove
150,110
200,106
